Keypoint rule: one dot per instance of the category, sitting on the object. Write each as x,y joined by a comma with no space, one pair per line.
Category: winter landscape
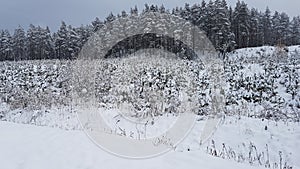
207,84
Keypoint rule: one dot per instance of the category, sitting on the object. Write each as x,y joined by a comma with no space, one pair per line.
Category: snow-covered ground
265,52
34,147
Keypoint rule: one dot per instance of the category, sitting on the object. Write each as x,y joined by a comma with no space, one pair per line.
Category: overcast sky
76,12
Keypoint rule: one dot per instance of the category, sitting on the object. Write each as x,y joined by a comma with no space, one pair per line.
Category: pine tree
280,28
134,11
146,8
5,45
222,36
186,12
39,43
276,30
210,22
39,46
240,25
32,43
18,43
124,14
254,28
84,32
295,31
97,24
195,14
153,8
284,28
47,44
73,43
176,11
202,22
260,39
162,9
111,17
267,27
61,42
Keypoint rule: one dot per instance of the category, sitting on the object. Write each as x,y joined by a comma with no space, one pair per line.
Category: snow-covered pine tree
97,24
84,32
276,31
124,14
202,22
162,9
254,28
18,43
210,22
134,11
295,31
261,39
46,44
176,11
111,17
146,8
280,28
32,42
222,36
61,42
73,43
284,28
240,24
267,27
186,12
153,8
195,14
5,45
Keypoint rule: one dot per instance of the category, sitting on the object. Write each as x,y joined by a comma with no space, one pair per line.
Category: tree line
227,28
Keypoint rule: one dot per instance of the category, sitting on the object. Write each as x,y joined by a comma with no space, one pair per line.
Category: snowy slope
33,147
262,53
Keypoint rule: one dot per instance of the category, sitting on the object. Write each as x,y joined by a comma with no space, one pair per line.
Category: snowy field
33,147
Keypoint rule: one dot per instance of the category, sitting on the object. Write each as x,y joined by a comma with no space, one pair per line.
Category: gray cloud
77,12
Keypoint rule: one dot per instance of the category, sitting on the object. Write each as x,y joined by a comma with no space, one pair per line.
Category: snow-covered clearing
32,147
